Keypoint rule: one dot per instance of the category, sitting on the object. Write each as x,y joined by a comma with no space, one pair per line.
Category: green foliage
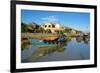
25,45
33,28
23,27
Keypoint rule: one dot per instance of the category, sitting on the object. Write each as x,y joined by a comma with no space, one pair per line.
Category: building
53,27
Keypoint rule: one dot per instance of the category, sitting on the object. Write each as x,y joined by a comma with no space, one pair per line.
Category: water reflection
86,40
46,48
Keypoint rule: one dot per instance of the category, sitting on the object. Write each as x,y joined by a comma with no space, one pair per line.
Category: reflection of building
52,27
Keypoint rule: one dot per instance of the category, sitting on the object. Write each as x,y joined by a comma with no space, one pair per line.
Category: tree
48,31
31,28
23,27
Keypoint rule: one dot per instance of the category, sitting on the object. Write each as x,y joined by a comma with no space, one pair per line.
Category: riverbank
25,38
40,36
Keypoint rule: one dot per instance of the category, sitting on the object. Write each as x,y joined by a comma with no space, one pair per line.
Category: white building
53,27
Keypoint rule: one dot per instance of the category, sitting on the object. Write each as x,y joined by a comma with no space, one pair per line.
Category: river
72,49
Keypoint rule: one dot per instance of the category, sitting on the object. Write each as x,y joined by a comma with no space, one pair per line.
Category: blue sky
76,20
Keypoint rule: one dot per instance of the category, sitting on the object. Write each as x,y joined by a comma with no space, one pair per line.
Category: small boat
62,39
50,38
56,40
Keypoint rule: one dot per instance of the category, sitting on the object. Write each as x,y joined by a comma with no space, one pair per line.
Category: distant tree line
33,28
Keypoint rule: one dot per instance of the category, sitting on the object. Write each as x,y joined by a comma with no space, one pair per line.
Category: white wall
5,37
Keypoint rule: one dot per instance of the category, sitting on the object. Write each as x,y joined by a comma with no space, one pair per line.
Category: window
53,26
45,26
49,25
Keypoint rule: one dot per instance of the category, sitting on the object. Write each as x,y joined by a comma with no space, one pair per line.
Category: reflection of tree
86,40
45,50
79,39
25,43
69,39
82,38
61,49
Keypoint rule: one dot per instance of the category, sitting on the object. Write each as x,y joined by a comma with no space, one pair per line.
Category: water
72,49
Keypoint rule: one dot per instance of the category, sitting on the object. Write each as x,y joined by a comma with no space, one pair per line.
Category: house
53,27
73,31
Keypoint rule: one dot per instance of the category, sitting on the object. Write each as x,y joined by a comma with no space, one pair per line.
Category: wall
5,37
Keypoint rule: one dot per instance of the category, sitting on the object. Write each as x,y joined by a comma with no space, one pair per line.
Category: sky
76,20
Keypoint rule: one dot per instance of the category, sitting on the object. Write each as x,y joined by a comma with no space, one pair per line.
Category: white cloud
50,19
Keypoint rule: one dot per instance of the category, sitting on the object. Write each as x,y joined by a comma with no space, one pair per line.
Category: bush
24,27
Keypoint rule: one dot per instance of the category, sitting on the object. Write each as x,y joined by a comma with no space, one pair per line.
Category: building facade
53,27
